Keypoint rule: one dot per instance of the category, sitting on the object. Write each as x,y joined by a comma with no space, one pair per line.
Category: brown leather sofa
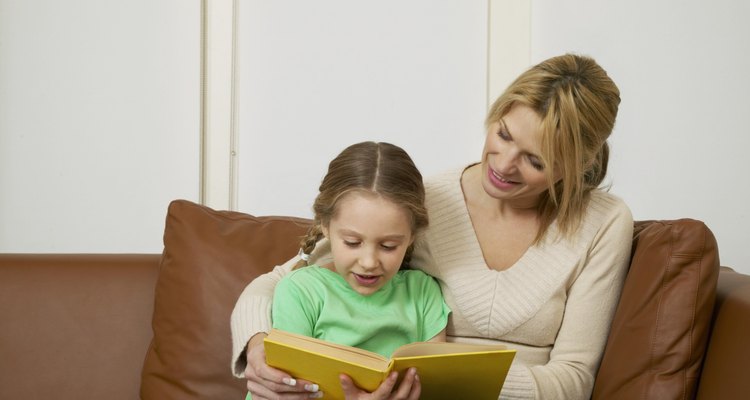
156,326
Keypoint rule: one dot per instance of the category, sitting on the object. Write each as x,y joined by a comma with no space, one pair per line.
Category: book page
345,353
433,348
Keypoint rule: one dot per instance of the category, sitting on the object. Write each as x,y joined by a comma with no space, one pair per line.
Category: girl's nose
368,259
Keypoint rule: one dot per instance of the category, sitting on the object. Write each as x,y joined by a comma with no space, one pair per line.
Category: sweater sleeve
590,307
252,312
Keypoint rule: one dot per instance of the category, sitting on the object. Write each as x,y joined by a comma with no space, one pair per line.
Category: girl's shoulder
309,273
414,278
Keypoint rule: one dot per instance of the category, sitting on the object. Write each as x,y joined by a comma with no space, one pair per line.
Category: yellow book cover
446,370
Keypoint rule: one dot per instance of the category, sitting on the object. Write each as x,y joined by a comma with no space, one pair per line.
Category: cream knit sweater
554,305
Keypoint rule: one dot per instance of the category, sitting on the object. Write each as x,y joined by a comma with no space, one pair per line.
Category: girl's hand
409,389
265,382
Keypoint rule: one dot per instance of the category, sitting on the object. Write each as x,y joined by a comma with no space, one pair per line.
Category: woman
527,249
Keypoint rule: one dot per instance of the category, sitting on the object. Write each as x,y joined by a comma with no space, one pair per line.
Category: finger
416,389
295,389
266,375
407,385
384,390
299,396
257,367
279,383
348,387
271,379
262,393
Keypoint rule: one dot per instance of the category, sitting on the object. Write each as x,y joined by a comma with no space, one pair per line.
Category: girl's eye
351,244
503,134
388,247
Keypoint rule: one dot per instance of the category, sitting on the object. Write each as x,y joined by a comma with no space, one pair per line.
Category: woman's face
512,168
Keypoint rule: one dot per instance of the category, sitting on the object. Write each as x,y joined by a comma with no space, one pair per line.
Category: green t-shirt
317,302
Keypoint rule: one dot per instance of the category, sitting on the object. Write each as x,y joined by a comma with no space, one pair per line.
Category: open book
446,370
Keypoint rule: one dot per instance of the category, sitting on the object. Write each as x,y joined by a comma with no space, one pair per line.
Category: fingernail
311,387
315,395
289,381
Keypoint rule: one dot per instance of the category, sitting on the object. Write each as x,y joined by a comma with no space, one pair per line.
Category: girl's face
512,168
369,236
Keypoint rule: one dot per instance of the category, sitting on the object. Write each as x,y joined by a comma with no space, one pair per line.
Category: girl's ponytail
307,245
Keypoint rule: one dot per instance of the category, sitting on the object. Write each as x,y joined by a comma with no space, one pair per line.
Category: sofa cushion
724,374
659,332
209,257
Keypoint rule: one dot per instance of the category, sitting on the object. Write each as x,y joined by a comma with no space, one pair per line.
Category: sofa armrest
75,326
724,373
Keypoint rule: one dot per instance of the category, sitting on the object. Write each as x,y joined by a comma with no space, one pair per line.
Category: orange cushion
209,257
659,333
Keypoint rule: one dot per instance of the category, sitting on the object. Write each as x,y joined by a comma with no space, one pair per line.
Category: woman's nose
505,163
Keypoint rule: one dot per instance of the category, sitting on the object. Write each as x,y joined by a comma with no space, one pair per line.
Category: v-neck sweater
554,305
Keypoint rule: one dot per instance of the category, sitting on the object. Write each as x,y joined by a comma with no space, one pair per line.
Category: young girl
369,209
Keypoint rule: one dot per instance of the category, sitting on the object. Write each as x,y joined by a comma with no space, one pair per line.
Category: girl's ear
324,229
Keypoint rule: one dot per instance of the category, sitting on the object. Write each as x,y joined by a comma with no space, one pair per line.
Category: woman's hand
409,389
265,382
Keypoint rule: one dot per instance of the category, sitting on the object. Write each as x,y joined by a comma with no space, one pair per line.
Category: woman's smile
501,182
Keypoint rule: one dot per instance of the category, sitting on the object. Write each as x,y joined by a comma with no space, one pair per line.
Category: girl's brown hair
577,103
380,168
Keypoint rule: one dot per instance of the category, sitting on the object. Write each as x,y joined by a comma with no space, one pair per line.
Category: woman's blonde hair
577,103
382,169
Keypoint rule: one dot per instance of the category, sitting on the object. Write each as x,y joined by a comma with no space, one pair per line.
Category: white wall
680,147
100,104
318,76
99,122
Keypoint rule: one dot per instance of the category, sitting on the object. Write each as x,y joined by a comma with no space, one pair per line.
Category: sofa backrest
74,326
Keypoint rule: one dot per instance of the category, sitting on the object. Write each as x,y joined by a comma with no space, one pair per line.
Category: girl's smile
366,280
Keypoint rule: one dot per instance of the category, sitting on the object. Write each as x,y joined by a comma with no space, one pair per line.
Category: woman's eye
503,135
536,164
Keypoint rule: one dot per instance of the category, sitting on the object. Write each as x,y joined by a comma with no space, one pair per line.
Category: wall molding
508,43
218,164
